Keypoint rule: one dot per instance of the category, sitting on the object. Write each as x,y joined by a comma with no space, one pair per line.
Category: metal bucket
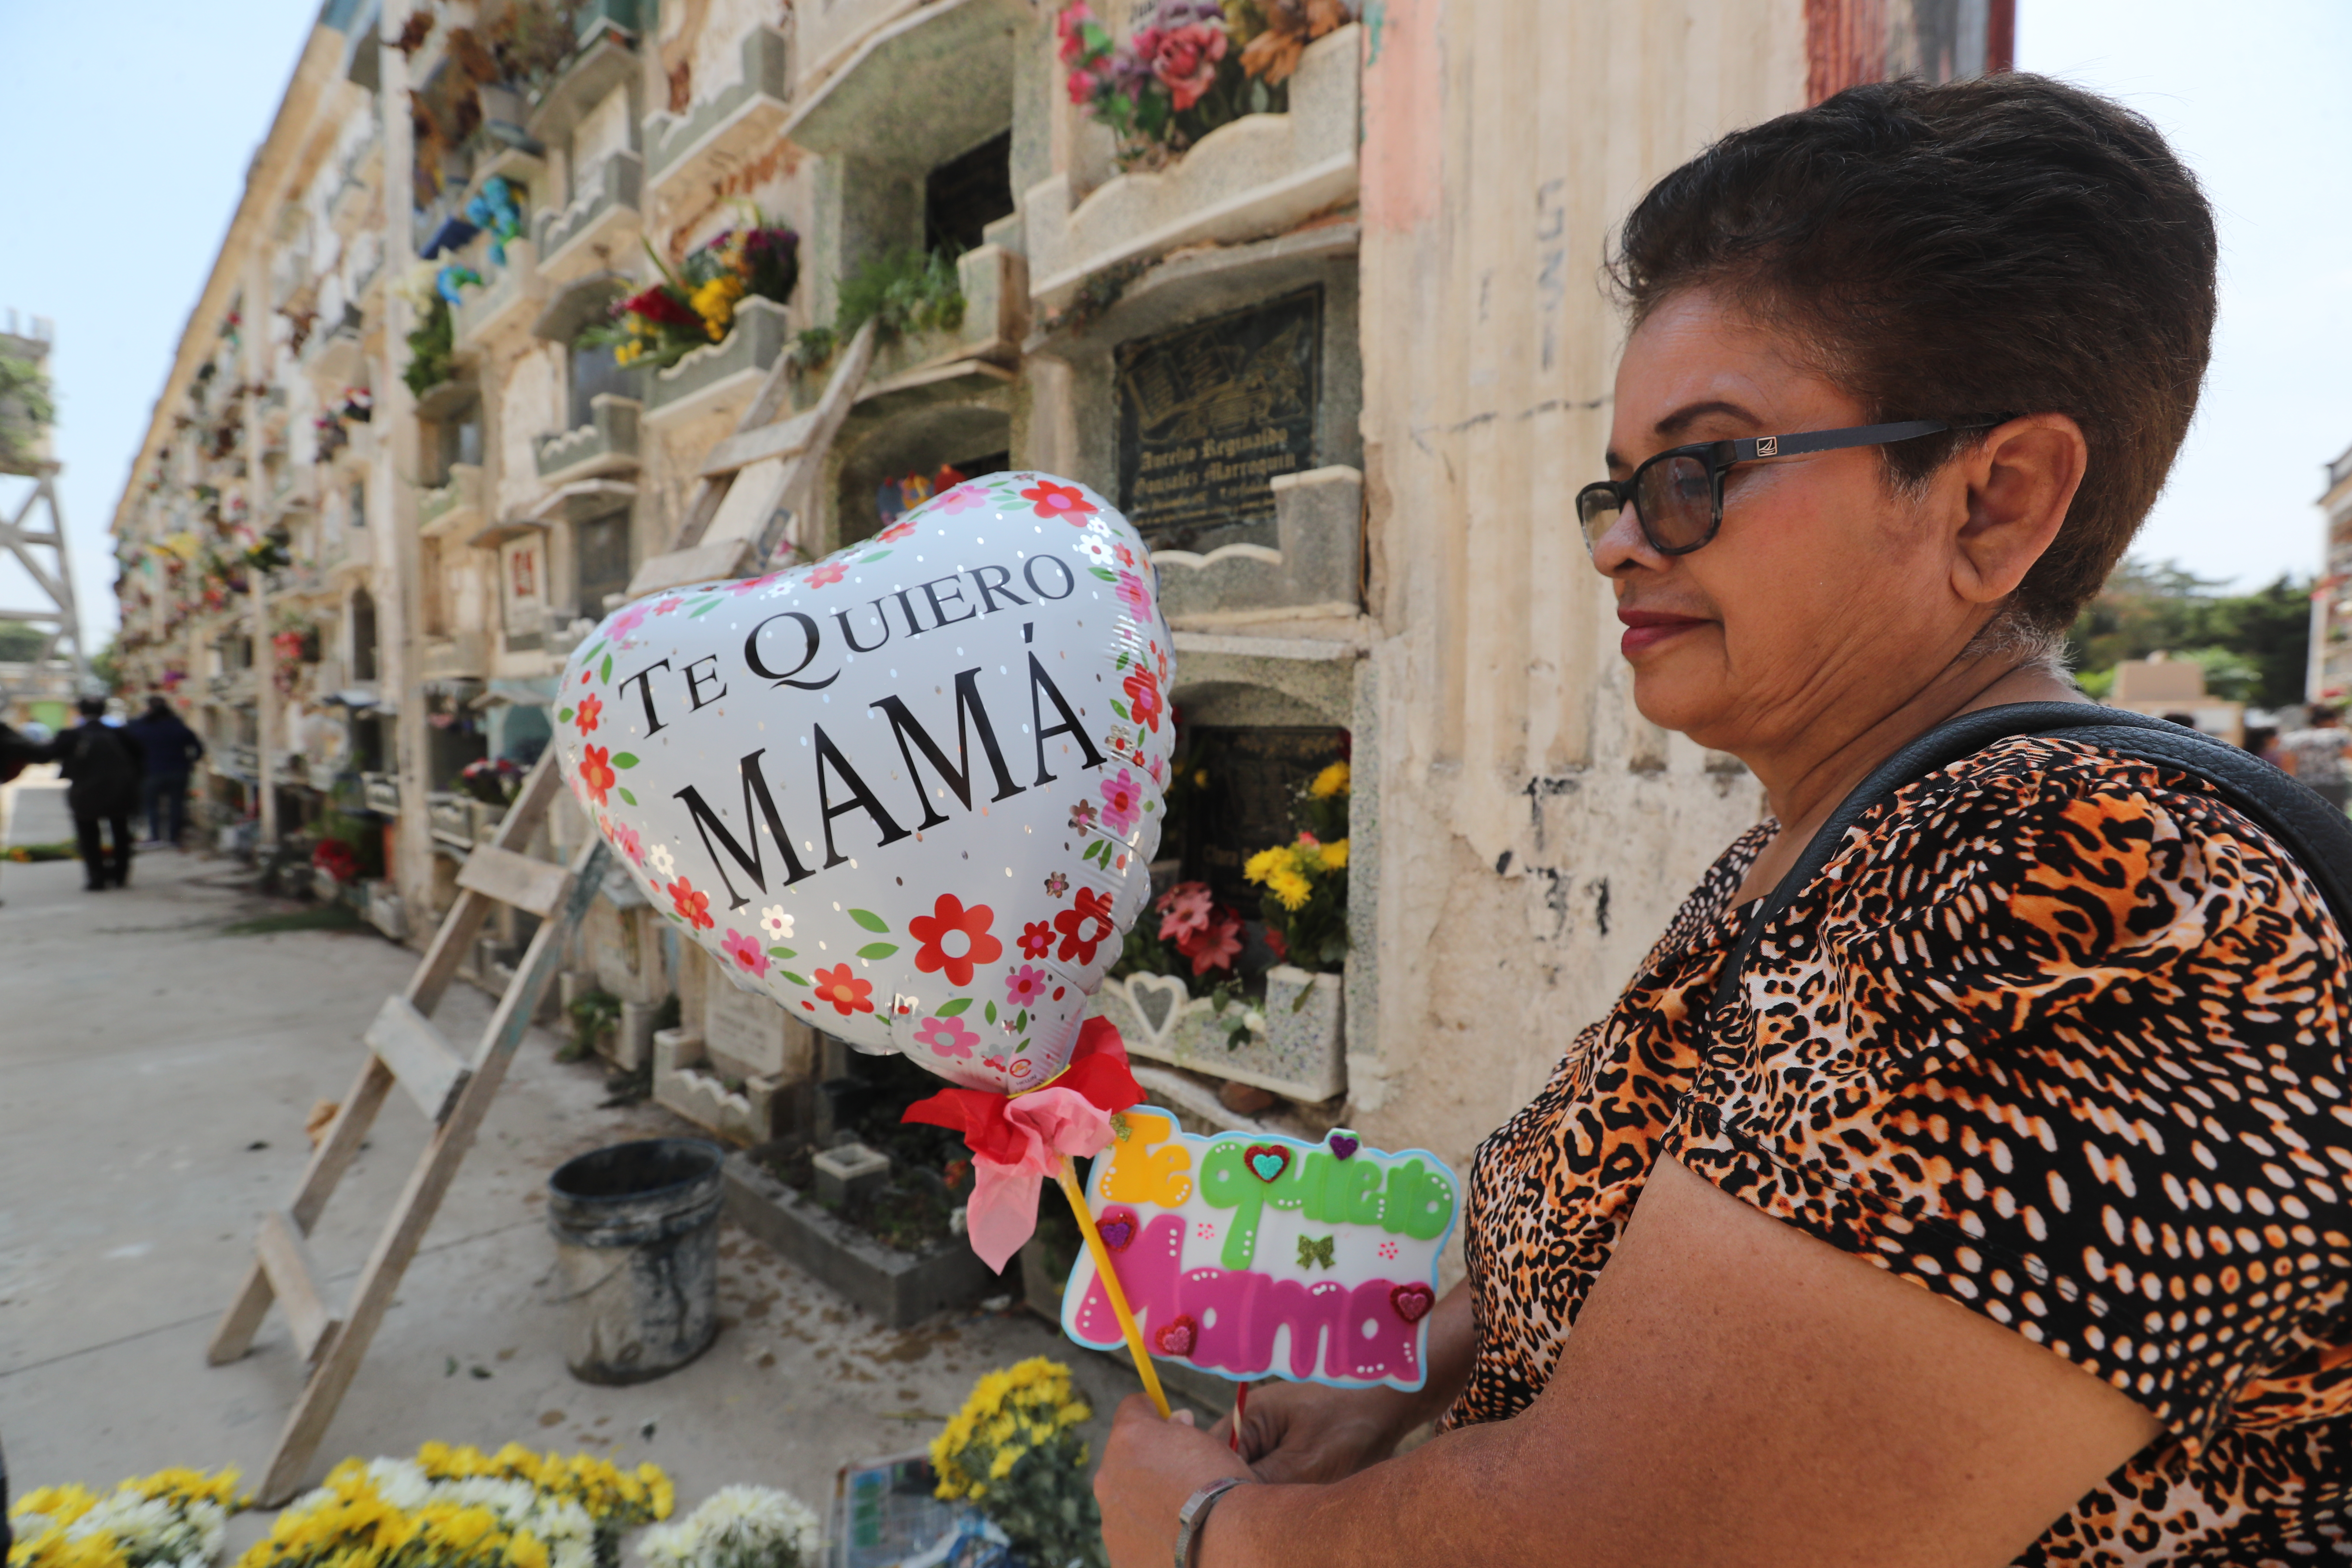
636,1238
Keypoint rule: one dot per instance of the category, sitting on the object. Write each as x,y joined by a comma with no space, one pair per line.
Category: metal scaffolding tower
35,534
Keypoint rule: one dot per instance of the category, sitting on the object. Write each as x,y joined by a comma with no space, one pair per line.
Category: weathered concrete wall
1536,832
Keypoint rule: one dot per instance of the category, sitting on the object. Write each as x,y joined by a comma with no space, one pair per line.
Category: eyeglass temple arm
1831,440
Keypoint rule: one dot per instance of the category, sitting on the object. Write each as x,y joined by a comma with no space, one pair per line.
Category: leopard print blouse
2058,1035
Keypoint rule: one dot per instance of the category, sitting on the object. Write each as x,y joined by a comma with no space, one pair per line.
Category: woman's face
1824,591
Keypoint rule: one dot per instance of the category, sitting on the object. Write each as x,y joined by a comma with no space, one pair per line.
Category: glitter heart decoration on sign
911,791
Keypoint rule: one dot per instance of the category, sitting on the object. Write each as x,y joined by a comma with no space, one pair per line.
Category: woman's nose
1622,547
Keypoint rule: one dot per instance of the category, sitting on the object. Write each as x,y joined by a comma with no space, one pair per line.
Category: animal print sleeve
2060,1036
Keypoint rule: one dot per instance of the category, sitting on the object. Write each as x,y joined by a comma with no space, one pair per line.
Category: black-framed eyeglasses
1677,496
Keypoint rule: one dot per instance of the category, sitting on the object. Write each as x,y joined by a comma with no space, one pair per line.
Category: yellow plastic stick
1103,1271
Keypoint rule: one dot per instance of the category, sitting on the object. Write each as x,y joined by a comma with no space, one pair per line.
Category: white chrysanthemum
659,858
736,1523
403,1483
776,923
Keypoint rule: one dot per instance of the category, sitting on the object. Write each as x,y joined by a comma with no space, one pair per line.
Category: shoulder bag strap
2318,835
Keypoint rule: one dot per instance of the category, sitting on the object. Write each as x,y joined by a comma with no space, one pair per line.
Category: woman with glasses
1988,1201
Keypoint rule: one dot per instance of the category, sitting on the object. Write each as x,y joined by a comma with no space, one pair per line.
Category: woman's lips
1645,629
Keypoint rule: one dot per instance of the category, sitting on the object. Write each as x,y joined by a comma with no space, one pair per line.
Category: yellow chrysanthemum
1331,781
1267,863
1291,889
1334,855
714,301
1001,1466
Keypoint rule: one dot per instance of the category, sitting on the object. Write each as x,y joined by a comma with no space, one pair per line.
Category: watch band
1195,1513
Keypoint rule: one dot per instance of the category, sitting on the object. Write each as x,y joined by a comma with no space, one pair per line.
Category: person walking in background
102,766
2315,755
170,750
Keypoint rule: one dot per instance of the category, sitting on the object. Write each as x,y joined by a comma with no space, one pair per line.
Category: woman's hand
1150,1467
1309,1432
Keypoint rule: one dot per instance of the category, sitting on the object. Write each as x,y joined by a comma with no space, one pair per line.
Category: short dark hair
92,707
1966,251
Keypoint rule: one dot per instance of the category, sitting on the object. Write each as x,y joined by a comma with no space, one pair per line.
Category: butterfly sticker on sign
1255,1255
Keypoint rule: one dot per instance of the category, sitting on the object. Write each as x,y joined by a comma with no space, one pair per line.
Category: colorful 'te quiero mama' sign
1254,1255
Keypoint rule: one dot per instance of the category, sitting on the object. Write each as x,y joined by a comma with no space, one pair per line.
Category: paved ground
155,1078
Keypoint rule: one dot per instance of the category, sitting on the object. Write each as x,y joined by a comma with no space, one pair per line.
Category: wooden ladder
753,483
453,1093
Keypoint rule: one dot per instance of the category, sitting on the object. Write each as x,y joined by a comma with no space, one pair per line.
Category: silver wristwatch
1195,1513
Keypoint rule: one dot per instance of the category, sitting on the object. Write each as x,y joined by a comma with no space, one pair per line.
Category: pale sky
132,138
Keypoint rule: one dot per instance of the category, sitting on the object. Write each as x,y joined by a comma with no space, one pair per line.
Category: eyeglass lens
1675,499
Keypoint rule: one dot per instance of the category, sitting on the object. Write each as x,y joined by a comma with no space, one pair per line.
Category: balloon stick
1111,1287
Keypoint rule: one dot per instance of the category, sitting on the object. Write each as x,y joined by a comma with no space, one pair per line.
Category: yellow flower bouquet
1305,880
459,1508
173,1519
1015,1452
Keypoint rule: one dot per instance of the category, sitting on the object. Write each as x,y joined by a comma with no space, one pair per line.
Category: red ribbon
1098,1070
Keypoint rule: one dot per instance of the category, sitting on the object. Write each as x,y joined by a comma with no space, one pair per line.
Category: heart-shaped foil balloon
911,791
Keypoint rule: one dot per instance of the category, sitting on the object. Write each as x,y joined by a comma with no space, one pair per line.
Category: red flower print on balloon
597,775
1023,986
1036,939
897,531
967,929
1143,699
744,952
692,907
586,715
848,994
751,584
1085,925
827,574
1065,502
666,605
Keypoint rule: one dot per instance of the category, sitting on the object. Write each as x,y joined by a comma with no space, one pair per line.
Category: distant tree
2252,646
19,643
106,666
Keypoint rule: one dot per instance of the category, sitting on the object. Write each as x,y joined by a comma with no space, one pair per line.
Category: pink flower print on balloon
1134,595
753,585
627,621
627,840
963,498
745,953
897,531
666,605
1122,802
827,574
947,1037
1023,986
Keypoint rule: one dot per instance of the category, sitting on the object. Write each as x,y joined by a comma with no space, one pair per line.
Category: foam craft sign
1252,1257
911,792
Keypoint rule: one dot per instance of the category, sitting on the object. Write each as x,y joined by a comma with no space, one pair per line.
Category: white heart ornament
911,791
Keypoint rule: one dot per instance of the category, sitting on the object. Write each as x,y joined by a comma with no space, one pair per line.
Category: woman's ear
2021,480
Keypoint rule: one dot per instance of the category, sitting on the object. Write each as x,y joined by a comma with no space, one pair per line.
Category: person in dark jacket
170,749
102,766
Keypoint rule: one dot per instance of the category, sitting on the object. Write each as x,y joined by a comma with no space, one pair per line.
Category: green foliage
432,349
25,386
106,666
904,291
19,643
593,1013
2252,646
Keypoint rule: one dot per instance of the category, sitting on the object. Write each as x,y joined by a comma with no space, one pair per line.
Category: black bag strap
2315,833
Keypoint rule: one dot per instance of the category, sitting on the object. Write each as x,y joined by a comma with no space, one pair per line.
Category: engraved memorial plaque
1209,414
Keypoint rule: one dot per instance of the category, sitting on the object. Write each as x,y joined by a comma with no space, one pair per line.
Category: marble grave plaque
1208,414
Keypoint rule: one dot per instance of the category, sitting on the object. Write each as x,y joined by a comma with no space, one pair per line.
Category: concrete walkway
155,1075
